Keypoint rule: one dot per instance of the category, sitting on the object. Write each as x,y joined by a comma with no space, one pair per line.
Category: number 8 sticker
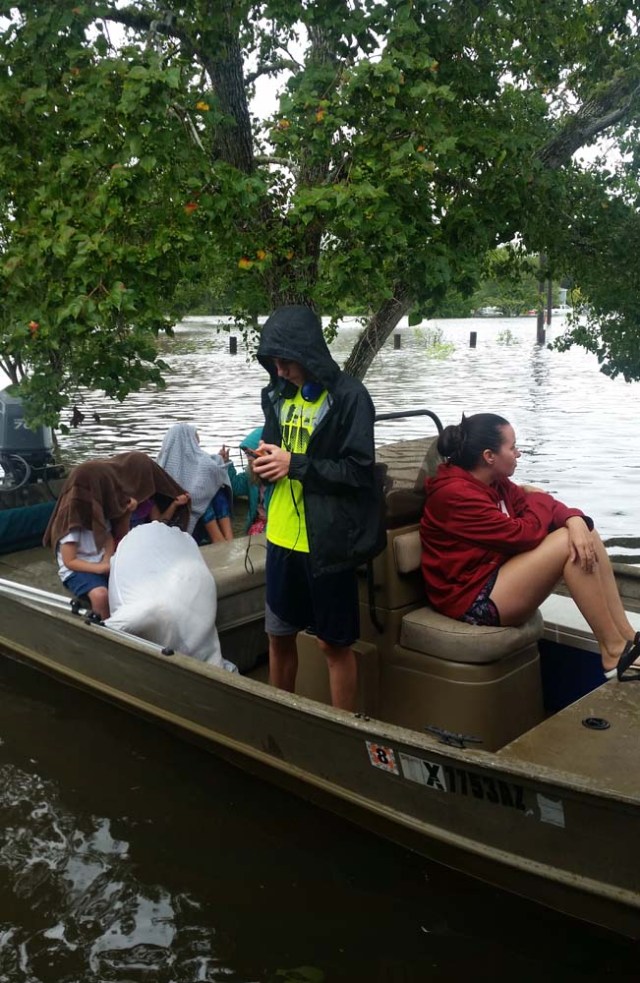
382,757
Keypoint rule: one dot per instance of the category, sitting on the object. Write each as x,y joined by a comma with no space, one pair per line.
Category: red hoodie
469,529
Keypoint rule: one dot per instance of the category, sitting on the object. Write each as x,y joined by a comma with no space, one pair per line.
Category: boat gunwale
410,739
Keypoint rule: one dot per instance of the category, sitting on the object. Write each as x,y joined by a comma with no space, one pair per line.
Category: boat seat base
238,568
492,701
464,678
313,676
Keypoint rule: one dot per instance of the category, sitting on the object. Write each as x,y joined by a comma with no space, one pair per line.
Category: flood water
577,428
127,855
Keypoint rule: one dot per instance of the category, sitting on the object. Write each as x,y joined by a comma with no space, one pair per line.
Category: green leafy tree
410,138
598,246
510,282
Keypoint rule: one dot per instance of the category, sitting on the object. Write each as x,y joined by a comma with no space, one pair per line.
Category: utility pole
540,332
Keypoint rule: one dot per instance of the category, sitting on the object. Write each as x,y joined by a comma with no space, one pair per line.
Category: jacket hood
448,474
295,332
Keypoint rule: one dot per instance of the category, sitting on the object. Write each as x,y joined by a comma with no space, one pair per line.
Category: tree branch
218,52
282,65
612,104
376,332
279,161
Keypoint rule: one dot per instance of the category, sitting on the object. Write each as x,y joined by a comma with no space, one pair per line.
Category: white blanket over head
161,589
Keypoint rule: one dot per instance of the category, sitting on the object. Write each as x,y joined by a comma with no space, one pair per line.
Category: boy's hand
272,463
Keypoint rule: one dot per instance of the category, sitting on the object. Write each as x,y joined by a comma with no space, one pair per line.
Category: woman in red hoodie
492,550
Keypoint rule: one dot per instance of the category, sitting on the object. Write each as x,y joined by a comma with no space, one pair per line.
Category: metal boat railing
405,413
55,602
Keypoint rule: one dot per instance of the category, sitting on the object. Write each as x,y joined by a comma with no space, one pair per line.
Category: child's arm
170,511
109,548
121,525
68,554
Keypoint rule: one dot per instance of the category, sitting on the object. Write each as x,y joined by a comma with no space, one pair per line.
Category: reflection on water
129,856
576,427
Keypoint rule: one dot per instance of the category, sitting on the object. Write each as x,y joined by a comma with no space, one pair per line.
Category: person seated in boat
205,477
492,551
159,497
81,531
161,589
246,484
94,509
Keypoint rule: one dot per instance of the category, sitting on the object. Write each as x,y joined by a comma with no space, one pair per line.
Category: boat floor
604,759
33,568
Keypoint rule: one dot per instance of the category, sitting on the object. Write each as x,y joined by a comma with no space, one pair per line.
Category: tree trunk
12,368
379,328
233,141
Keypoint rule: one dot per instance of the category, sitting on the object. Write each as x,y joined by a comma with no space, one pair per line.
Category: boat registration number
460,781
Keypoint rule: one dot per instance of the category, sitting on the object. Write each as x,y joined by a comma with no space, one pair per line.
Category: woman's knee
559,542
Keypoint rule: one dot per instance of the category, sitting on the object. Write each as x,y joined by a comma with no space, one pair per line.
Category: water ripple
88,909
577,428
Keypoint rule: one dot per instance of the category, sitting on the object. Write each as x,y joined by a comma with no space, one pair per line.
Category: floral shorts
483,611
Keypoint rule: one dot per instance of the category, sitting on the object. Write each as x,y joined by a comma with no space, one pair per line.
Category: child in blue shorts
84,569
92,503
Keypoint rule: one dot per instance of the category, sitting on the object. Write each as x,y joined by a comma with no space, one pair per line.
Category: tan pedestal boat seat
463,678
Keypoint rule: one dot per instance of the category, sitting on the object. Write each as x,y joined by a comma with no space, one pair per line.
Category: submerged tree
410,137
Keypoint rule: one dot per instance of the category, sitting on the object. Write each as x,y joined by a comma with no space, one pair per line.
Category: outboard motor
25,454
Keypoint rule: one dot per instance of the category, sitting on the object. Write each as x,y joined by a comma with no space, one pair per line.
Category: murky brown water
127,855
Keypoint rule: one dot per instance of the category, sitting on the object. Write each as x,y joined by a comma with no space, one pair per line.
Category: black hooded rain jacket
342,502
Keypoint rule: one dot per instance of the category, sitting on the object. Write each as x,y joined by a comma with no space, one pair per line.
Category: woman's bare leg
527,579
610,590
214,532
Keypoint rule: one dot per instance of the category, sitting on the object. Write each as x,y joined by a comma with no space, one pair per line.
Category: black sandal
625,671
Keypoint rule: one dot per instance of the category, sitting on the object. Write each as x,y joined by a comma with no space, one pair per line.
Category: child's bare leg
225,527
99,598
214,532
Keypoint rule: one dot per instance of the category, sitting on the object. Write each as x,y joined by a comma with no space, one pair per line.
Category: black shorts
327,605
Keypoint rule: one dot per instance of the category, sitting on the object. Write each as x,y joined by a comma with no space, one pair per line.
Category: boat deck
34,568
606,760
563,741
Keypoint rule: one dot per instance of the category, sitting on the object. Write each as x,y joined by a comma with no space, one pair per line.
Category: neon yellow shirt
286,525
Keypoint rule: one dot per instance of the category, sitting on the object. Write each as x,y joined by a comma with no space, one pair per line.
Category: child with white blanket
161,589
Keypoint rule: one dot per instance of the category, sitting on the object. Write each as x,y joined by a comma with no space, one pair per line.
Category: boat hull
537,832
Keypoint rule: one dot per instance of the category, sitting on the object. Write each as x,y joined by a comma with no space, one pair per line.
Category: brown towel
97,492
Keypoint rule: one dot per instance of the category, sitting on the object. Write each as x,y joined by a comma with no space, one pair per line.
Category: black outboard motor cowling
34,446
